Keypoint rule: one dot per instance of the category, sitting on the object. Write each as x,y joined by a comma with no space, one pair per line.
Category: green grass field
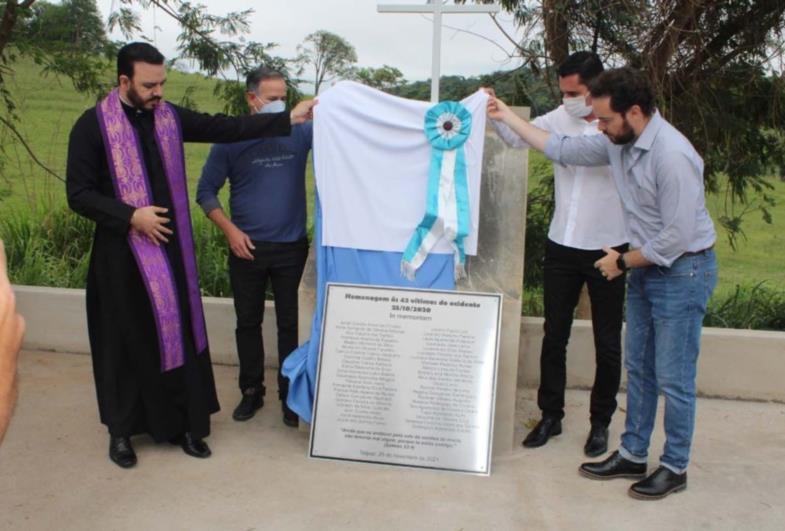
760,252
49,106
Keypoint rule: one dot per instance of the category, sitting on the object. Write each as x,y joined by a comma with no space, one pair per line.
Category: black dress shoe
290,418
121,451
658,485
195,447
252,400
544,430
614,467
596,442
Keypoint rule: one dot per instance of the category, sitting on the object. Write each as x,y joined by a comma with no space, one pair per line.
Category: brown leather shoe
659,484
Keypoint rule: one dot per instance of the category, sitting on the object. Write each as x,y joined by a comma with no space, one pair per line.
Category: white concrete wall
57,320
733,363
748,364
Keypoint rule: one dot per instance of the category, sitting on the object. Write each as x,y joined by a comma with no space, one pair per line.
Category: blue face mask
273,106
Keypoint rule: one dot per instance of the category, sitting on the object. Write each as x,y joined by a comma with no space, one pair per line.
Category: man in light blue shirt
673,270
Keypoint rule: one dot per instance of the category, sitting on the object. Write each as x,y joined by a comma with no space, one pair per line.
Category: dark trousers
566,270
282,264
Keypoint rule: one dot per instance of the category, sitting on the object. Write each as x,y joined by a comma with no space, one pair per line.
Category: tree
329,55
386,78
232,92
72,35
68,40
716,68
74,23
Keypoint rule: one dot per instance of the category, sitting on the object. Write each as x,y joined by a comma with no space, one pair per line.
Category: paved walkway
54,474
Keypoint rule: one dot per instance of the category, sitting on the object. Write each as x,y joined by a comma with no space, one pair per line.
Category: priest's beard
140,103
626,136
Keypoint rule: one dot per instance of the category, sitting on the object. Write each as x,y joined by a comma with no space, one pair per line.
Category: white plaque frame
386,355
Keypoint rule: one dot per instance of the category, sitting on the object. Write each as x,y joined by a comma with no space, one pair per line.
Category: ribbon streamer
447,127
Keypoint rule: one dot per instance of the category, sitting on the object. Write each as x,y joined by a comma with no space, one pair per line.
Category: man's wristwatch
620,263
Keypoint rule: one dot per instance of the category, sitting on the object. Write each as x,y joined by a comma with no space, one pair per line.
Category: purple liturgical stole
132,186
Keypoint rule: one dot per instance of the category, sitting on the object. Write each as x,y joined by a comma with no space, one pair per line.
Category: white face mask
576,106
273,106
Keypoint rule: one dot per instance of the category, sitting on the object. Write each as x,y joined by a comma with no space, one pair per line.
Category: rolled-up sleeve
586,150
213,177
678,190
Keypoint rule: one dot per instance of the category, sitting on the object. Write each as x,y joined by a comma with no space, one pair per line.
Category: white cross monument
498,266
436,8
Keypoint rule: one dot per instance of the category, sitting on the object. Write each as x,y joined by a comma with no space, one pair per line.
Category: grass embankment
760,252
33,201
33,204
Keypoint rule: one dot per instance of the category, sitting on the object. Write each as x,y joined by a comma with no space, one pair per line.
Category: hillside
49,106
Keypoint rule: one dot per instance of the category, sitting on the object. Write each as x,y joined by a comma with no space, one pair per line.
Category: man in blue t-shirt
266,234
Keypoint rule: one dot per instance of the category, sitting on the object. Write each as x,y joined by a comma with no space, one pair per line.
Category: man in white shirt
588,216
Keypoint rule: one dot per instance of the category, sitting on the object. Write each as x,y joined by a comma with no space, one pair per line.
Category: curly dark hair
625,87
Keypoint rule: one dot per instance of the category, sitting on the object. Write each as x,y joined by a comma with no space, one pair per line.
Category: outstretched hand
497,109
303,111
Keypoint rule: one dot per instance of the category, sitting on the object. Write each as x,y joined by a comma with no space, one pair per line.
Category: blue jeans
665,309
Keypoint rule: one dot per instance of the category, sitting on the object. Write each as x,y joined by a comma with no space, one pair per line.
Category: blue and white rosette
447,127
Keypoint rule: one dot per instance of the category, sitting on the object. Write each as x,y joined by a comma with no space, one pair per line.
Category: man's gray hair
257,75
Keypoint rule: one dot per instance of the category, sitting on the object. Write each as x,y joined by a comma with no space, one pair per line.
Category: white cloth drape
371,160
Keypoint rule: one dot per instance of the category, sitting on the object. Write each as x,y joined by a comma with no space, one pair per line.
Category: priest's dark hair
586,64
626,87
257,75
136,52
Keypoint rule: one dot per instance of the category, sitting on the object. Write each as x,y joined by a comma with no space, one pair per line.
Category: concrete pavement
54,473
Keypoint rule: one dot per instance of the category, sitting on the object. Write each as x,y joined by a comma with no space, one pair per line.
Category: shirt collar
649,133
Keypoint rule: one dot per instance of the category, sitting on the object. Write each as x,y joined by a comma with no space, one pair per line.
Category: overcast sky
399,40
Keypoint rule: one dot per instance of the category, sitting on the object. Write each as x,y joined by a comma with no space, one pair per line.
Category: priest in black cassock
126,172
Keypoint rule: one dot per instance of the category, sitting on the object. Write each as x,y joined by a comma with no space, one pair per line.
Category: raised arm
586,150
589,150
219,128
528,133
